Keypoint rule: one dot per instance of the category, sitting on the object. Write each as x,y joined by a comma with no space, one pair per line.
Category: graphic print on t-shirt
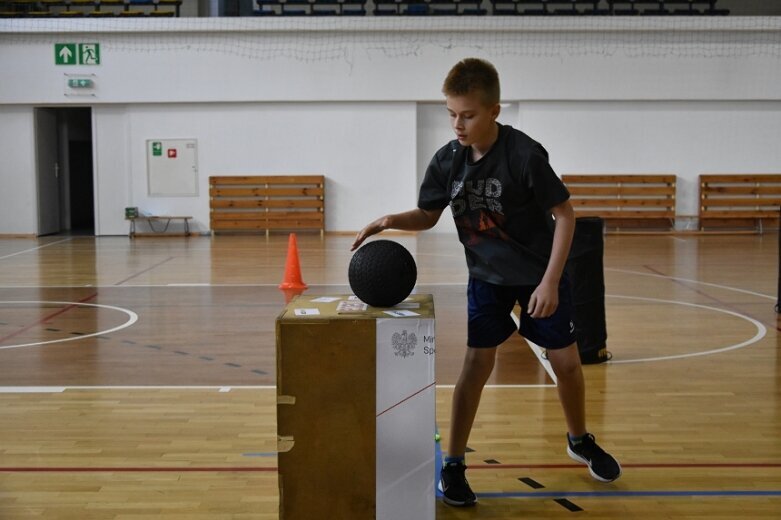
477,209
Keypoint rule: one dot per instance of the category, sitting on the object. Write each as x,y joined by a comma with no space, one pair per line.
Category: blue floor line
437,462
586,494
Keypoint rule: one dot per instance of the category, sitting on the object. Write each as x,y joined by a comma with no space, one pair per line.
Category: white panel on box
405,359
405,460
406,412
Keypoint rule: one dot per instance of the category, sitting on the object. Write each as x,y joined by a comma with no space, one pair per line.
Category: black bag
586,272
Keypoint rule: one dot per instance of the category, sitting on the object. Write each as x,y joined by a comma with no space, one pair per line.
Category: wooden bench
739,200
633,201
267,202
152,219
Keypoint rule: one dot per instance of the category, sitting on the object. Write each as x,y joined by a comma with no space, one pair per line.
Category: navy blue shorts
490,323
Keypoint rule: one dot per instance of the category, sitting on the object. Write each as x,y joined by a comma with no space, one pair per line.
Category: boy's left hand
544,300
372,229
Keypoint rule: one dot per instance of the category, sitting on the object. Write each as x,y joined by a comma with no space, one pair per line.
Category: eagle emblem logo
404,344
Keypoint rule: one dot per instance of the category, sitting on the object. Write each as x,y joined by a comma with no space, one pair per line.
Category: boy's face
473,122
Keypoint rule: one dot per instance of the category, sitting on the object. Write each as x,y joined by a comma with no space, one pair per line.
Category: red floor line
47,318
136,470
158,264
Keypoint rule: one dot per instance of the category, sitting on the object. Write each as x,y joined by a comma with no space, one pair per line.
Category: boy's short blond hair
473,75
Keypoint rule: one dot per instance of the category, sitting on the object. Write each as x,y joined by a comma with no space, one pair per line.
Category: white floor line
538,351
220,389
34,248
459,283
132,318
60,389
677,279
761,330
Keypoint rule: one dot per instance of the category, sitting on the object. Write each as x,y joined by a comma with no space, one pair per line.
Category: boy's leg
489,325
581,445
557,334
571,387
478,365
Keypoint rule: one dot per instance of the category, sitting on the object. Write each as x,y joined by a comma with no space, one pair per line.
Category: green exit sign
65,54
81,83
77,54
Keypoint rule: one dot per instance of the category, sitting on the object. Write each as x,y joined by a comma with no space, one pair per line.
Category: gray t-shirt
501,205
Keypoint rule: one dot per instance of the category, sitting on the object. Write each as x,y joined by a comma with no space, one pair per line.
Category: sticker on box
354,306
307,312
326,299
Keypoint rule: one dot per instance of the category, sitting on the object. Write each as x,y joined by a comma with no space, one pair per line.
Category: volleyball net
323,39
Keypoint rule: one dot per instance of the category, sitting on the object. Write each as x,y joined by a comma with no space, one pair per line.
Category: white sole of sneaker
453,503
577,458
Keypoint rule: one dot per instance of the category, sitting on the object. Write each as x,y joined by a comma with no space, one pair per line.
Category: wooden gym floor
136,380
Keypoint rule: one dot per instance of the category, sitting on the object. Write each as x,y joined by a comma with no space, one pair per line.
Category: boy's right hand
372,229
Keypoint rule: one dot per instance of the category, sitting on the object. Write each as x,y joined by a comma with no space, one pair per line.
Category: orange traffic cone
292,278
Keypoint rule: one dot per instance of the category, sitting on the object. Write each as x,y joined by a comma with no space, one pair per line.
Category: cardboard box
356,409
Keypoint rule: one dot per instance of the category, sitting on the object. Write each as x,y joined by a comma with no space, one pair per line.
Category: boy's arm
545,298
413,220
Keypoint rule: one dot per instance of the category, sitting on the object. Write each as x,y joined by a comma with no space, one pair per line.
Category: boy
502,191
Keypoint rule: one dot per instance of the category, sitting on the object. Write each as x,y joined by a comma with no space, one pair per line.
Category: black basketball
382,273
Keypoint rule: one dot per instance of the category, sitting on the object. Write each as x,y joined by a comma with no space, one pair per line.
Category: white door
47,171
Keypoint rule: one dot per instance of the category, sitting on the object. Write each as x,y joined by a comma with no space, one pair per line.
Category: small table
155,232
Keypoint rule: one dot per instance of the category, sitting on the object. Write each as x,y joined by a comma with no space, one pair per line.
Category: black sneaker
601,464
454,487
